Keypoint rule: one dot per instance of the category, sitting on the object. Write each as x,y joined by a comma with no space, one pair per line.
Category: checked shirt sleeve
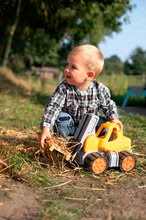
54,106
106,103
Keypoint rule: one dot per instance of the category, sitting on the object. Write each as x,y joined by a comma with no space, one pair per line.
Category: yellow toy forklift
106,148
98,150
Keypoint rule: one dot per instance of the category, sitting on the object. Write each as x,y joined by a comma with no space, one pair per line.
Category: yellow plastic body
112,140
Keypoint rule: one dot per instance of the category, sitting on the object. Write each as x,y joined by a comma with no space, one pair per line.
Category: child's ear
90,74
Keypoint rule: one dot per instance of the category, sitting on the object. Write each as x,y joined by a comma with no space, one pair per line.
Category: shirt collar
80,92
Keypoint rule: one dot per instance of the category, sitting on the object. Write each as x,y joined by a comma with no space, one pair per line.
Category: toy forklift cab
106,148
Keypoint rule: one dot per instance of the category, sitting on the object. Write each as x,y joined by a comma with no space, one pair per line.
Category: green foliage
43,25
113,65
136,64
38,49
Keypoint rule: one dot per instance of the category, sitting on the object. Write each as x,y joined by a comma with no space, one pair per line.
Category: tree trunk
12,32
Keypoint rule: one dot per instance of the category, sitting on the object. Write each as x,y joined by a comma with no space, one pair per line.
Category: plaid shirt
67,98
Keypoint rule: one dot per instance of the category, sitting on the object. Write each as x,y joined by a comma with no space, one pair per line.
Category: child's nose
66,70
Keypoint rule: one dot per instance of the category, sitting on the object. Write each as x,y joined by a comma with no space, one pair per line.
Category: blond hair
93,55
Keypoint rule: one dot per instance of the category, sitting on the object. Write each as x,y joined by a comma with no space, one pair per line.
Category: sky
133,34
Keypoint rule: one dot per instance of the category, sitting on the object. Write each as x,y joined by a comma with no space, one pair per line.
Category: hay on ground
61,145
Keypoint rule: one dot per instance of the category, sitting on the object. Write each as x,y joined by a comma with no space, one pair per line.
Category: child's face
76,70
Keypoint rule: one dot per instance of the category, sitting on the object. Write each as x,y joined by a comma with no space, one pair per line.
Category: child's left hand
118,122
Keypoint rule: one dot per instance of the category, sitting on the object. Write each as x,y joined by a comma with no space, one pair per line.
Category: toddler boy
78,94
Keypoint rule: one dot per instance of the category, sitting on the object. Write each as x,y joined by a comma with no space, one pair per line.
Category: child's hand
118,122
44,135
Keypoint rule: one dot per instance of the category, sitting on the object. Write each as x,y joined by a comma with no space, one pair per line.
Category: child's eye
73,67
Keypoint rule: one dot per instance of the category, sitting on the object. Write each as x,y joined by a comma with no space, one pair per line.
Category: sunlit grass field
22,101
118,83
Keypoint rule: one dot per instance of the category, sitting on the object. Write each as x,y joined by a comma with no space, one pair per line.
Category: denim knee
64,125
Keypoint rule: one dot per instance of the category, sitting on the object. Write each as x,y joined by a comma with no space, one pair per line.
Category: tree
113,65
136,64
12,32
76,21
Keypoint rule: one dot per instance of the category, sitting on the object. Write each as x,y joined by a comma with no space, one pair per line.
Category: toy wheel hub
95,162
128,163
99,165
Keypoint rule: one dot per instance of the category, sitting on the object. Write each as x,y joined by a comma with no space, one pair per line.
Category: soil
17,201
118,199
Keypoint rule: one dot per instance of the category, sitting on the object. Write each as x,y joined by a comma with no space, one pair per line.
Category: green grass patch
19,112
58,209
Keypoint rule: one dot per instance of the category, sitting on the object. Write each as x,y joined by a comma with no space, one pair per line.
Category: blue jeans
65,125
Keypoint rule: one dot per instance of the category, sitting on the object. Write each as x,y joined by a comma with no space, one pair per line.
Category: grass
56,208
17,111
20,116
118,83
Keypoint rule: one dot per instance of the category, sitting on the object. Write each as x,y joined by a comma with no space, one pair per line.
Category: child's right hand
118,122
45,134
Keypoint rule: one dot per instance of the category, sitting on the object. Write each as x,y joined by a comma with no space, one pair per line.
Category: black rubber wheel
96,163
127,161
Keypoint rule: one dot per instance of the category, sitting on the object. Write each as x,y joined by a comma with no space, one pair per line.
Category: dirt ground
17,201
117,199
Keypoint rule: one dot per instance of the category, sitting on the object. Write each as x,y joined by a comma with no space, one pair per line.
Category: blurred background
36,36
